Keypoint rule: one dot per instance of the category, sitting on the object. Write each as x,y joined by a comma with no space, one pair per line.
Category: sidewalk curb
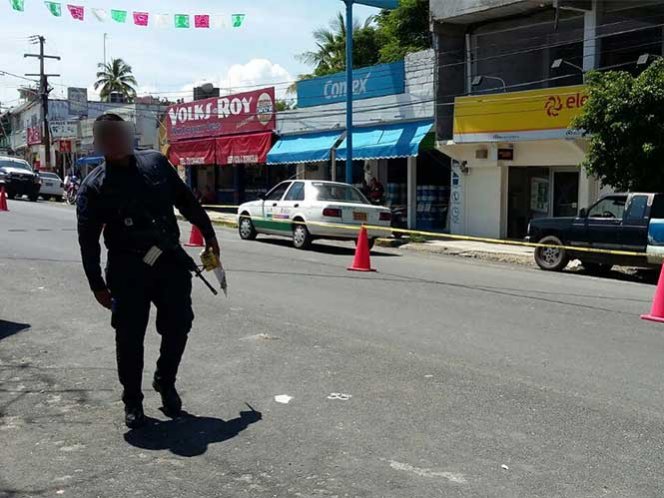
523,260
417,247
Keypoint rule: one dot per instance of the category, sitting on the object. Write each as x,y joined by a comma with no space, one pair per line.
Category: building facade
220,144
393,135
71,129
509,82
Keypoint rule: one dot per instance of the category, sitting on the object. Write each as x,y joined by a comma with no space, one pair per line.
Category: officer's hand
213,245
103,297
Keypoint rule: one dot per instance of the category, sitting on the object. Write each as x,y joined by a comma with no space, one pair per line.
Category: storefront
515,159
392,139
221,145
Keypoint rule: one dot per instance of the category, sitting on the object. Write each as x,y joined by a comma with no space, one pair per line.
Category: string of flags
143,19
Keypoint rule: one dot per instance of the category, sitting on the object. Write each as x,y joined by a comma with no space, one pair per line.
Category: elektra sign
247,112
368,82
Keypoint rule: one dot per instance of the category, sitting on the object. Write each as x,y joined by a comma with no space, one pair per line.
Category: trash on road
283,398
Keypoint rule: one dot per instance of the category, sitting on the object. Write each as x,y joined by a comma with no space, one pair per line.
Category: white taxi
311,209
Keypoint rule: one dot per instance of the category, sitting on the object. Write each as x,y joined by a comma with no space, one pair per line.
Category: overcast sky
166,59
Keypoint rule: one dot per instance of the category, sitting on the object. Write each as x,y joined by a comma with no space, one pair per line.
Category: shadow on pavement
323,248
10,328
189,435
648,277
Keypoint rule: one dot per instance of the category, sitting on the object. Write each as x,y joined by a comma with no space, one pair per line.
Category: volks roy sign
247,112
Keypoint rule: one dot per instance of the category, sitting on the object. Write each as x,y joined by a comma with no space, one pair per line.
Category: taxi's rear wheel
301,237
246,228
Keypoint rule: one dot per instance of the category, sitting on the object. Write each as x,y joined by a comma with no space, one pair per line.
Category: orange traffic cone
657,313
196,238
362,261
3,199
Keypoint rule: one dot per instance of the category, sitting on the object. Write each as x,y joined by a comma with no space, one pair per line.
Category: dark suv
18,178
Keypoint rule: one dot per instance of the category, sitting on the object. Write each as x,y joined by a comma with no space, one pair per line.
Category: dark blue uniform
134,207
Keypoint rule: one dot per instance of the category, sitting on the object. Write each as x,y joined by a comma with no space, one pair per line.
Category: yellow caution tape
447,236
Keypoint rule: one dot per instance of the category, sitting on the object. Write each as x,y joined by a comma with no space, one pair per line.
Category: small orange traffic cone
196,238
362,261
3,199
657,313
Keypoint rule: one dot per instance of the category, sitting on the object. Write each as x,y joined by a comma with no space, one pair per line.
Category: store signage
510,117
34,135
381,4
64,145
78,101
230,115
63,129
368,82
506,154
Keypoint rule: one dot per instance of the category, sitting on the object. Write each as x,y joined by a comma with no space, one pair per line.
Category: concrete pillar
411,179
591,44
450,77
333,165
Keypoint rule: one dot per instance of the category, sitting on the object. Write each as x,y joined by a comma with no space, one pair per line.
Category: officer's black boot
134,416
170,399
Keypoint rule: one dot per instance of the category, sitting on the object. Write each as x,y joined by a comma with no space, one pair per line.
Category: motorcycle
72,190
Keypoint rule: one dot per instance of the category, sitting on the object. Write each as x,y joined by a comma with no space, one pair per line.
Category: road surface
436,376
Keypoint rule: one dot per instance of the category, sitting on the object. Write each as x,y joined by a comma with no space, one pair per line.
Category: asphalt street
434,377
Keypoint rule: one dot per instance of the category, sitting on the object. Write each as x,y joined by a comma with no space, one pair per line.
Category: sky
166,61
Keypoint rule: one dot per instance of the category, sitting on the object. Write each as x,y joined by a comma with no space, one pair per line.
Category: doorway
537,192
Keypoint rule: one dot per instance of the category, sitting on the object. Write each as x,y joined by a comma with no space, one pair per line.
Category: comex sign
370,82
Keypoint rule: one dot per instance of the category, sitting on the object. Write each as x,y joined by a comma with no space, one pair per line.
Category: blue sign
383,4
368,83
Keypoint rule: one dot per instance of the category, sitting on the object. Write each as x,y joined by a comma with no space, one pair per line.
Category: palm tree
116,77
330,54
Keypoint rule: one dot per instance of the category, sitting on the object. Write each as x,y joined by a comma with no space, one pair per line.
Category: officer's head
113,137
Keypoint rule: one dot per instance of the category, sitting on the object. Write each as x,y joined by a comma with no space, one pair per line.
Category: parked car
18,178
620,222
52,186
310,202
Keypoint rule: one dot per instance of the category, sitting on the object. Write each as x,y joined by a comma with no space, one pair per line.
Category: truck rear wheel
551,258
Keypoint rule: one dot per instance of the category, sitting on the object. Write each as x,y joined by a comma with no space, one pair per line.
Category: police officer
130,197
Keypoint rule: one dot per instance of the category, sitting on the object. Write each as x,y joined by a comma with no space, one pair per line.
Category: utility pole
44,90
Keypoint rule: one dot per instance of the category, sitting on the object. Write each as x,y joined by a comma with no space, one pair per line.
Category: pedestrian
130,197
376,192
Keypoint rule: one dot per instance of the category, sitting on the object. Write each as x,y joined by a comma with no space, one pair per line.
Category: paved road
464,379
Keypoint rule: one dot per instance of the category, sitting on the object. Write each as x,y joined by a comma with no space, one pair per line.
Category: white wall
482,203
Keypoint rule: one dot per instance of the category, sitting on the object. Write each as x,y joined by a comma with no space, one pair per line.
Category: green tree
387,37
329,57
624,122
284,105
404,30
116,76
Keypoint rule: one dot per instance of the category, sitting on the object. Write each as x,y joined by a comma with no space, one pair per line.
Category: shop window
628,31
520,50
